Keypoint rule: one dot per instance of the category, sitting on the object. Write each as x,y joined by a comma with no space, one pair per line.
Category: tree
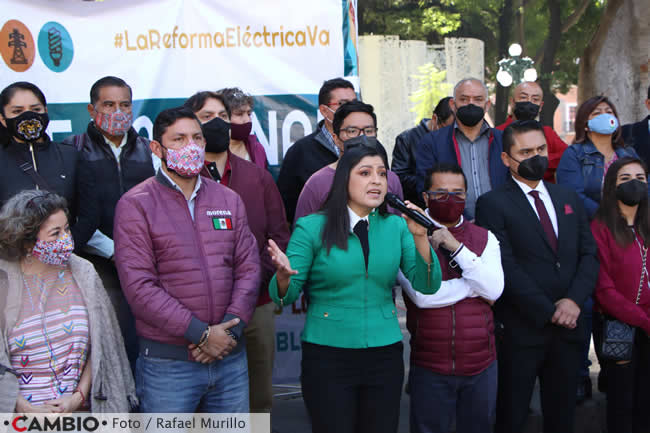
553,31
592,50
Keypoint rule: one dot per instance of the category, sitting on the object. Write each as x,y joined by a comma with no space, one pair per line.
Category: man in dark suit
638,134
550,266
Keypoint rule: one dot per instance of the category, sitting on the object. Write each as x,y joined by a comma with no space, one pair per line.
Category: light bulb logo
55,46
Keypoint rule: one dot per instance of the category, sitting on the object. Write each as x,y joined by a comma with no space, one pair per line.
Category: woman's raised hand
282,265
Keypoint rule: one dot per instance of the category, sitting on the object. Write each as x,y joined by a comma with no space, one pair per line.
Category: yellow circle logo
17,46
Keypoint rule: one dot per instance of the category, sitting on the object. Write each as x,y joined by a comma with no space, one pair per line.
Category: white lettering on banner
295,116
59,127
270,146
144,122
218,213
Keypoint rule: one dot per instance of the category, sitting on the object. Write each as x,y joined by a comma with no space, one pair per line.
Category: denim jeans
437,399
170,385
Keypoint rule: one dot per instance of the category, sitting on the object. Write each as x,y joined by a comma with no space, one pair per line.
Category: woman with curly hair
61,349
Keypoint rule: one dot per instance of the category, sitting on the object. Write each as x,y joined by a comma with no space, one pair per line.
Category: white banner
166,50
173,48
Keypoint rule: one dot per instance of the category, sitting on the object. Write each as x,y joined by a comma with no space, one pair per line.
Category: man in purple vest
453,355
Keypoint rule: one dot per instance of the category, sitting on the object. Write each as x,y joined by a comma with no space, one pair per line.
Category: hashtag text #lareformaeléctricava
233,37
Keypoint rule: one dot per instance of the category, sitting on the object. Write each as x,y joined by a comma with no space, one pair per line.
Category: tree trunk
505,29
546,71
588,72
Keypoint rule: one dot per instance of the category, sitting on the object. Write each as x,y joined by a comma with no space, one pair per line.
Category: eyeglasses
440,195
353,131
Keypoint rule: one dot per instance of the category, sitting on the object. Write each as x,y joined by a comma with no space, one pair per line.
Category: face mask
217,137
186,162
28,126
56,252
470,115
361,140
115,124
632,192
526,110
605,124
240,132
446,212
532,168
332,119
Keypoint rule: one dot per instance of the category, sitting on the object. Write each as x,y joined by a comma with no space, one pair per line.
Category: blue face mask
605,124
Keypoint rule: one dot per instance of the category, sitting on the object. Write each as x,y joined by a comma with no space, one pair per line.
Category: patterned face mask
115,124
56,252
186,161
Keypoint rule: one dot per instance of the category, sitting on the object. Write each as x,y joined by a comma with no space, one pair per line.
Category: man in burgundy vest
453,357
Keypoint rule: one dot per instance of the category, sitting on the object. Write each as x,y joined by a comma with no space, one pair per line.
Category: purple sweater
315,191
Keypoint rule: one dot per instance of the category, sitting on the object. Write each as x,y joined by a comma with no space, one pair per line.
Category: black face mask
526,110
470,115
217,135
361,140
632,192
532,168
28,126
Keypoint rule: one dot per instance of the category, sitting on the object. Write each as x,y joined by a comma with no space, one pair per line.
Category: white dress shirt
544,196
482,277
192,201
354,219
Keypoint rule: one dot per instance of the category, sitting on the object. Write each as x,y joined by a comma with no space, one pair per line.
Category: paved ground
289,415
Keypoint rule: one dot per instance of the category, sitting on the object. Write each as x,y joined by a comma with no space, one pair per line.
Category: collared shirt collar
484,127
116,150
178,188
541,188
437,224
330,140
354,219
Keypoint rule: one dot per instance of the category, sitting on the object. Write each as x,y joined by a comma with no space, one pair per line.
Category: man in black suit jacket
638,135
550,265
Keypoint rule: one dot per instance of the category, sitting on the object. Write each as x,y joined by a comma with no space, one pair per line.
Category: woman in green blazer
352,366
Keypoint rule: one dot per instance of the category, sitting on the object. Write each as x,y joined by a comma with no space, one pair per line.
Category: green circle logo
55,46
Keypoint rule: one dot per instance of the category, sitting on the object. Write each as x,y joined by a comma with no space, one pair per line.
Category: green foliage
432,89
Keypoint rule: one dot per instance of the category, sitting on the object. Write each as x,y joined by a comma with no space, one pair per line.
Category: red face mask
446,212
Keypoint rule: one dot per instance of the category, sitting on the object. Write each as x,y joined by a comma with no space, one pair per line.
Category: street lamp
515,69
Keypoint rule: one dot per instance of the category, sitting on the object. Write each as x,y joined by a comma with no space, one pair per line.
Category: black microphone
416,216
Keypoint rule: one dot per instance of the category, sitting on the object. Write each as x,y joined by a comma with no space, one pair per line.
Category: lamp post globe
515,50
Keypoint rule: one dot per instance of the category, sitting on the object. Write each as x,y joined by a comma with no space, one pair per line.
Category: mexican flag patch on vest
222,223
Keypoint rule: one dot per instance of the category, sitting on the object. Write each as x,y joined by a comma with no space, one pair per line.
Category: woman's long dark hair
611,216
582,117
337,220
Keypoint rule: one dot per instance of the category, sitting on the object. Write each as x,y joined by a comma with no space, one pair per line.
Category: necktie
545,220
361,230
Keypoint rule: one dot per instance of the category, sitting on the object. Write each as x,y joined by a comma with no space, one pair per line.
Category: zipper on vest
31,150
429,274
453,339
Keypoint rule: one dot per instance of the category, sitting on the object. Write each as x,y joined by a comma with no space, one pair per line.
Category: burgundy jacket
256,151
618,279
180,275
457,340
265,210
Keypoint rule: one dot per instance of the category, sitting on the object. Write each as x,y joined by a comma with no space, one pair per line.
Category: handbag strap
29,169
644,252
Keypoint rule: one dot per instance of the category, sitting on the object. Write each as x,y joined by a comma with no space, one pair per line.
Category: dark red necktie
545,220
